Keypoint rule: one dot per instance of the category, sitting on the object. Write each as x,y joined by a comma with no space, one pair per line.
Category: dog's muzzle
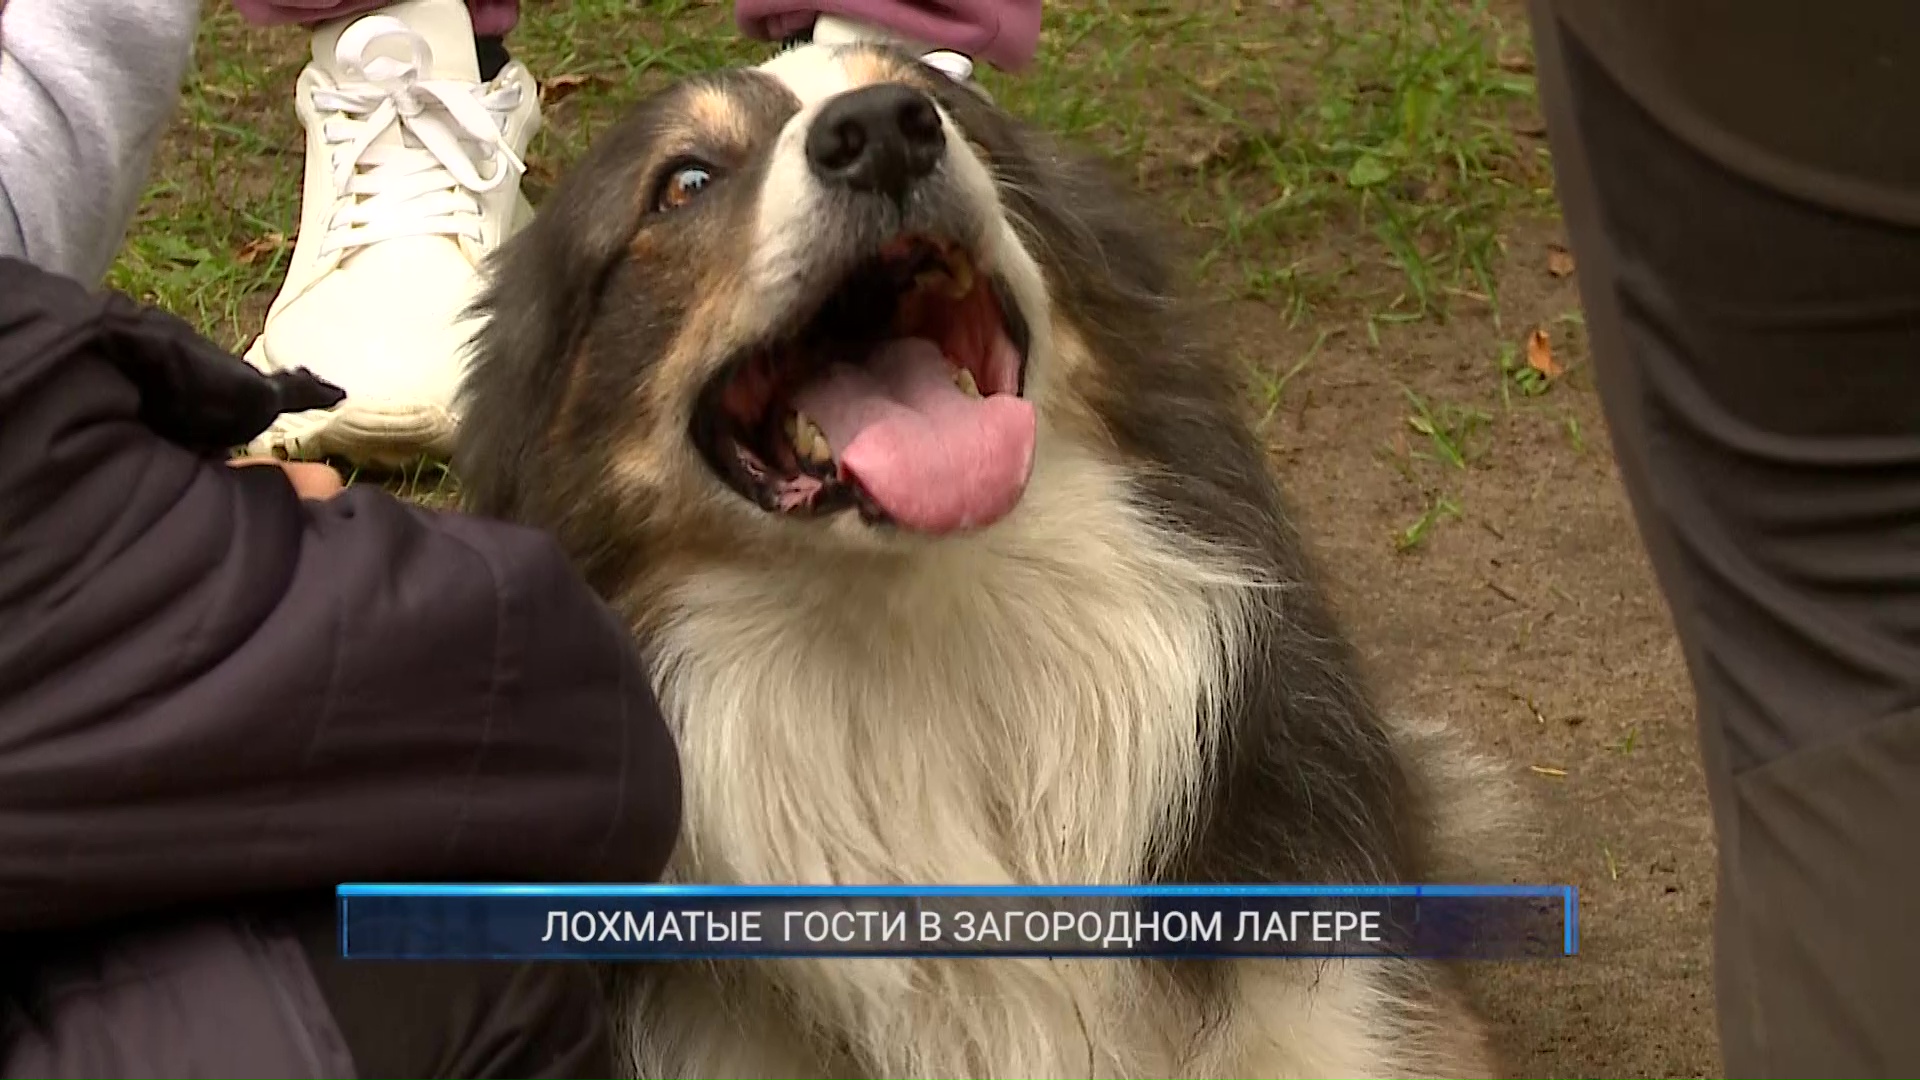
893,382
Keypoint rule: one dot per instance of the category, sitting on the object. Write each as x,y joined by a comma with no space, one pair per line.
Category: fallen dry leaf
1221,147
252,251
1519,65
1540,353
562,86
1547,770
1559,261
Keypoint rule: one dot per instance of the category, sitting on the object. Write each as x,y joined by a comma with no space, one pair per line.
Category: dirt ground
1532,622
1367,198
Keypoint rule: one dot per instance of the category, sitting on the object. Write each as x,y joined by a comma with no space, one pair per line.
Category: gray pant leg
1758,357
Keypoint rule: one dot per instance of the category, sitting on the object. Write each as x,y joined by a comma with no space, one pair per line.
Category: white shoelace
429,184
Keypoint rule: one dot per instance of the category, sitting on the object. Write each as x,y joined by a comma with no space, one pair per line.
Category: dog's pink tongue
937,460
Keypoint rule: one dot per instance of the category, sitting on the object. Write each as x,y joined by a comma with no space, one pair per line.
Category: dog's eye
682,185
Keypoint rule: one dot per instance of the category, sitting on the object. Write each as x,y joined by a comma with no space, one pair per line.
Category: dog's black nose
878,138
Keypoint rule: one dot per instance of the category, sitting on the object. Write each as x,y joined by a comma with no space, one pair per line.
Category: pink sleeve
1003,33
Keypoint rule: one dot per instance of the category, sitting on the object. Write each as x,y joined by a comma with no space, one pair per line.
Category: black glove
194,393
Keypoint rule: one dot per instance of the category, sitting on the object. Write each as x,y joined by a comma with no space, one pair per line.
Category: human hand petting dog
310,479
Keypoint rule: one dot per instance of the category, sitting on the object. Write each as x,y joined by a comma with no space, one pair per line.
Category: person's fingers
310,479
314,480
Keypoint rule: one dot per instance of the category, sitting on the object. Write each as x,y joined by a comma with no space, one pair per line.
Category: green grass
1393,120
1349,165
1448,438
1517,377
1451,431
1272,389
1574,438
1628,741
1442,509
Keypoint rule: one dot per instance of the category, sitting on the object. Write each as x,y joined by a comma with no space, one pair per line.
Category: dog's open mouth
899,397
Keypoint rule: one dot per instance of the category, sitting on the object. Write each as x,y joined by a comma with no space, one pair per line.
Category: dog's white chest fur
1034,704
1029,705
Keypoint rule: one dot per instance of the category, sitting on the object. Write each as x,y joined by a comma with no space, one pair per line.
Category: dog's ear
543,288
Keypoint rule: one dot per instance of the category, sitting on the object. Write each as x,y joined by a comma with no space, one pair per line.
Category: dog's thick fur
1132,678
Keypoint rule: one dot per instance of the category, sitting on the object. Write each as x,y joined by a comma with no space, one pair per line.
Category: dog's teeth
963,379
959,275
808,440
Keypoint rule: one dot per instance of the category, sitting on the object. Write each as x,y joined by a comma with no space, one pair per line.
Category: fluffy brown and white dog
956,563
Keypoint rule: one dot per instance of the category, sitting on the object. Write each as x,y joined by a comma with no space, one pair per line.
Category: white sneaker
412,175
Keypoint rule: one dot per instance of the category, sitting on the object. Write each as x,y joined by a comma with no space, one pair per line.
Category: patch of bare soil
1532,622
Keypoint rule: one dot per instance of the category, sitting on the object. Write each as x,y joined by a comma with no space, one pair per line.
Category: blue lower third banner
680,922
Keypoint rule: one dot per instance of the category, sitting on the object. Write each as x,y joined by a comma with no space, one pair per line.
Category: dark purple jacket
211,691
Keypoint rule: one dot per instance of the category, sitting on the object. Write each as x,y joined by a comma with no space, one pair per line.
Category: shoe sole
362,434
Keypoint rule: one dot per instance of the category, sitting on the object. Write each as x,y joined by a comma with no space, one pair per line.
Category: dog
877,414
